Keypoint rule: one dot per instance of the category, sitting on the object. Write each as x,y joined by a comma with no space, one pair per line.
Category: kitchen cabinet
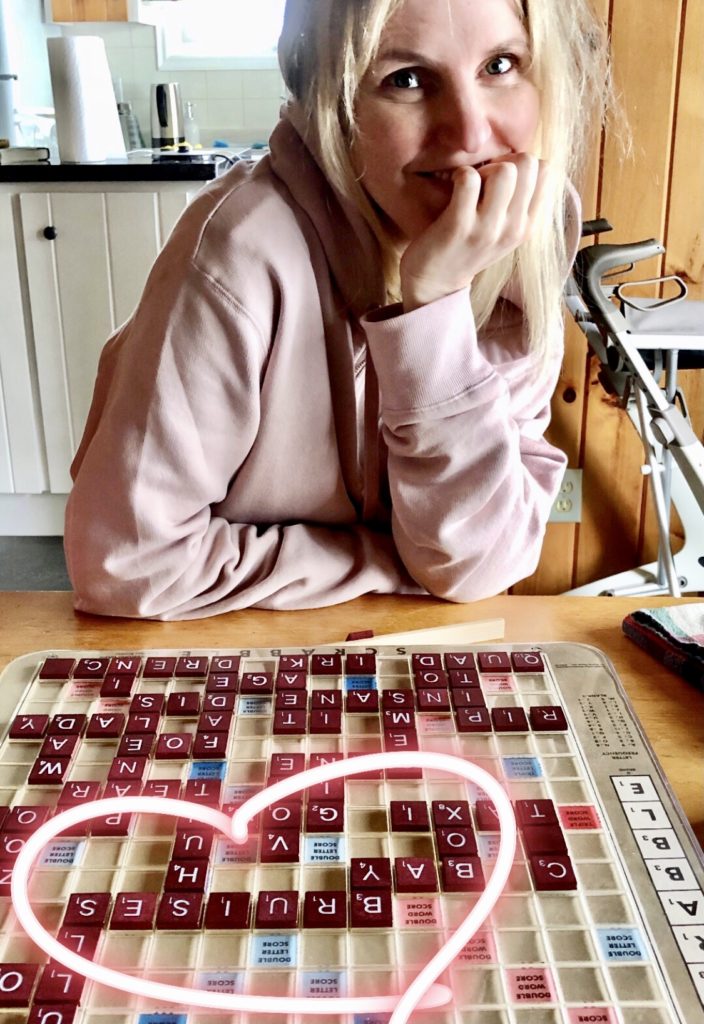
73,263
66,11
22,467
88,10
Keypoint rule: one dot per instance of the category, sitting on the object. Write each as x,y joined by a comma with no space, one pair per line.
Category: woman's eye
501,64
404,78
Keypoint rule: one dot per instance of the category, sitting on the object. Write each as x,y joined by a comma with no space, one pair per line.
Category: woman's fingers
500,181
512,198
492,211
462,208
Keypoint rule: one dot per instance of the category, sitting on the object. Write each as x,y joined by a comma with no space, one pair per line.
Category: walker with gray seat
641,343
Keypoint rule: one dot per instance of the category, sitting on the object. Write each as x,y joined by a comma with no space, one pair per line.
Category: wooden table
670,710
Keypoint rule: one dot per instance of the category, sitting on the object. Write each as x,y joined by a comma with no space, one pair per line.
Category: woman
338,377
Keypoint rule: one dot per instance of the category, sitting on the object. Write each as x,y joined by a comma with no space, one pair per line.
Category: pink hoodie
240,452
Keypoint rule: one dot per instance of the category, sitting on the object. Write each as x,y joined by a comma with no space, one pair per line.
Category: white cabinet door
84,281
22,468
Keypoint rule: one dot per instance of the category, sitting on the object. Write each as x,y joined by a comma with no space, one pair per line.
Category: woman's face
450,86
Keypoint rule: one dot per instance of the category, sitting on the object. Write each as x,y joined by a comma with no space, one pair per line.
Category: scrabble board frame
621,946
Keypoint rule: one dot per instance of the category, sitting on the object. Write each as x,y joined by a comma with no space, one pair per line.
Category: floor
33,563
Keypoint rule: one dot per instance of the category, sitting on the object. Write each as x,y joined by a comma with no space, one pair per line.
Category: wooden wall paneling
684,232
554,566
649,532
685,229
89,10
633,198
684,235
63,10
93,10
555,571
116,10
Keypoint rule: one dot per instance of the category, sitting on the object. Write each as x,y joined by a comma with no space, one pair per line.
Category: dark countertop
117,170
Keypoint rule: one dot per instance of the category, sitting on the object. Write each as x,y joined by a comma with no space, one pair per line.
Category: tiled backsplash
239,106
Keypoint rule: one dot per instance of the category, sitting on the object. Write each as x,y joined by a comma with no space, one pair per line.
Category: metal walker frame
637,341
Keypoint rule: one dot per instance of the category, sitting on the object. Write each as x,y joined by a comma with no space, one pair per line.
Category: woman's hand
492,211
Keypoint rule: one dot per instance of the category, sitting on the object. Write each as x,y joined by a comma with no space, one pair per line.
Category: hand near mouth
492,211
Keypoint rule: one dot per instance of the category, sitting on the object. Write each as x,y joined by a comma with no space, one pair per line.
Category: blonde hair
325,49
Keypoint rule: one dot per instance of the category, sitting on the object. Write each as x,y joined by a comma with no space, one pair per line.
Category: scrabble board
349,888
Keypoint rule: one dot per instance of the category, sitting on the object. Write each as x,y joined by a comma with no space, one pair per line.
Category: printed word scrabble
195,825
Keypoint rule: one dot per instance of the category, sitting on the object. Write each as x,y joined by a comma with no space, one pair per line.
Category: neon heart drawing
422,993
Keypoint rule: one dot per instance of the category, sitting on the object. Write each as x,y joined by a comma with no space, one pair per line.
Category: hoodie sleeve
160,450
472,479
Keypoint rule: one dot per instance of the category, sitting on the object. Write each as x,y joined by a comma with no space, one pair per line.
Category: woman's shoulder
242,239
247,213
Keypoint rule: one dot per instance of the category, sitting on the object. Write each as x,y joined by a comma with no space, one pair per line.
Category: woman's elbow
485,575
101,584
100,594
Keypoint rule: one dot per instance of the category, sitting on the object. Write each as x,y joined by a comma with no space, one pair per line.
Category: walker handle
595,227
594,261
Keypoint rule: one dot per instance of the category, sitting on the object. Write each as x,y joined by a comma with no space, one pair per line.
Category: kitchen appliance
167,115
129,124
220,160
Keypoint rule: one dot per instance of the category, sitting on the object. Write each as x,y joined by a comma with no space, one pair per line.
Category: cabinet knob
50,232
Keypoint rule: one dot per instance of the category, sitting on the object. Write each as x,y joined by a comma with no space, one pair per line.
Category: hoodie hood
351,249
353,257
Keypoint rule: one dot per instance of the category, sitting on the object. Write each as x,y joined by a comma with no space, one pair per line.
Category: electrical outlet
568,503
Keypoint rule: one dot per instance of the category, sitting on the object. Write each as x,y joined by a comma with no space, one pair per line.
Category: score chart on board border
435,834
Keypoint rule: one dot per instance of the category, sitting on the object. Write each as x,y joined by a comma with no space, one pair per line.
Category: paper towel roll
87,123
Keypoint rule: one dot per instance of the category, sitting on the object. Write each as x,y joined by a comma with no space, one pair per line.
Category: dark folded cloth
674,635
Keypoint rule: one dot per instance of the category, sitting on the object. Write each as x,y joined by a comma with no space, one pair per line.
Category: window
202,34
